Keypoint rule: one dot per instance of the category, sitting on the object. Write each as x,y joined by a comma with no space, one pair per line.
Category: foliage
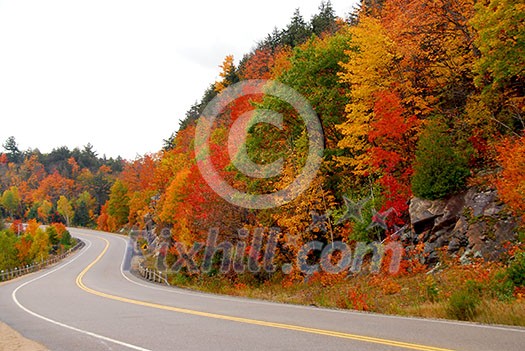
463,304
511,181
44,210
228,74
10,201
84,209
324,22
502,286
501,42
33,245
516,269
440,168
8,251
13,152
118,203
65,208
367,70
413,97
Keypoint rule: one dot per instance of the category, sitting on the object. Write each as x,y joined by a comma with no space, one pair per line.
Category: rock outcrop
470,224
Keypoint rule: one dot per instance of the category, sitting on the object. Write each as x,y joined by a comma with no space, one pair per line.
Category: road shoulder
11,340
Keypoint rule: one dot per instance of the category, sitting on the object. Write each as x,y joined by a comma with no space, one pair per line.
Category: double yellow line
362,338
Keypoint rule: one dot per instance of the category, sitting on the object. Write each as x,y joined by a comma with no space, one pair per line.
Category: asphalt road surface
91,302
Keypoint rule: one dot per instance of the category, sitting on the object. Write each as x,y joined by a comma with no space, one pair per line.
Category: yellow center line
336,334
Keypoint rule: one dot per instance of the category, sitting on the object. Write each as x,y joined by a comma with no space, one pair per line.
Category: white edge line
34,314
223,298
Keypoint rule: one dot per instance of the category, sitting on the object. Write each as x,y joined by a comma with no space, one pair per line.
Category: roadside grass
479,292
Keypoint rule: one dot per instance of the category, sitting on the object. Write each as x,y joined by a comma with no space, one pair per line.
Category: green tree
57,161
84,208
11,201
99,185
440,168
314,73
324,21
66,240
13,152
297,31
87,158
65,209
52,234
8,252
118,205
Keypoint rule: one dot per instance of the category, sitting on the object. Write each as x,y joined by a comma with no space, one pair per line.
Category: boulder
423,213
478,201
474,220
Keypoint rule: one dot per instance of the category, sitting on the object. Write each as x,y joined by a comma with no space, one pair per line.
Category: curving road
90,302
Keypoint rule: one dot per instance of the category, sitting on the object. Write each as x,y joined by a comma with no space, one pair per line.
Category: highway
91,301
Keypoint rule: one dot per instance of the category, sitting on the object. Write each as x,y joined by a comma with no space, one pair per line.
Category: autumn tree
65,209
228,74
140,179
3,159
511,181
258,65
499,68
32,171
393,135
118,203
23,248
368,70
8,252
105,222
44,210
40,246
10,201
54,186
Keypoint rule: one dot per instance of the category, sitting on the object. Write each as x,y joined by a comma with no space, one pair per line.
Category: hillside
396,147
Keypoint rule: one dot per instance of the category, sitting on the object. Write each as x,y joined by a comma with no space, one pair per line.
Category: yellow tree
40,246
368,70
44,210
10,201
65,209
501,63
228,74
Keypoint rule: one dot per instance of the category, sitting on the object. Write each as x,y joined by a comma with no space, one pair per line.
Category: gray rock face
471,224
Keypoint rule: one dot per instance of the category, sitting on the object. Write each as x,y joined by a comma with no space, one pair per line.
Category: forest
416,99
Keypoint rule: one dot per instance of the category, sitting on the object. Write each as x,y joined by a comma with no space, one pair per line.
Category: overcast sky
120,74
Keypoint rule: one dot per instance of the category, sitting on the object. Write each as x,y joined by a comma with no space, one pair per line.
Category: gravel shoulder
11,340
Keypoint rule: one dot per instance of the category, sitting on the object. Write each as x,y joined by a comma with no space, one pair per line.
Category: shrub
463,303
516,270
440,169
502,286
53,235
66,239
431,289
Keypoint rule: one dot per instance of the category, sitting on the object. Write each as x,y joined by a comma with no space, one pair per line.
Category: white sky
120,74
